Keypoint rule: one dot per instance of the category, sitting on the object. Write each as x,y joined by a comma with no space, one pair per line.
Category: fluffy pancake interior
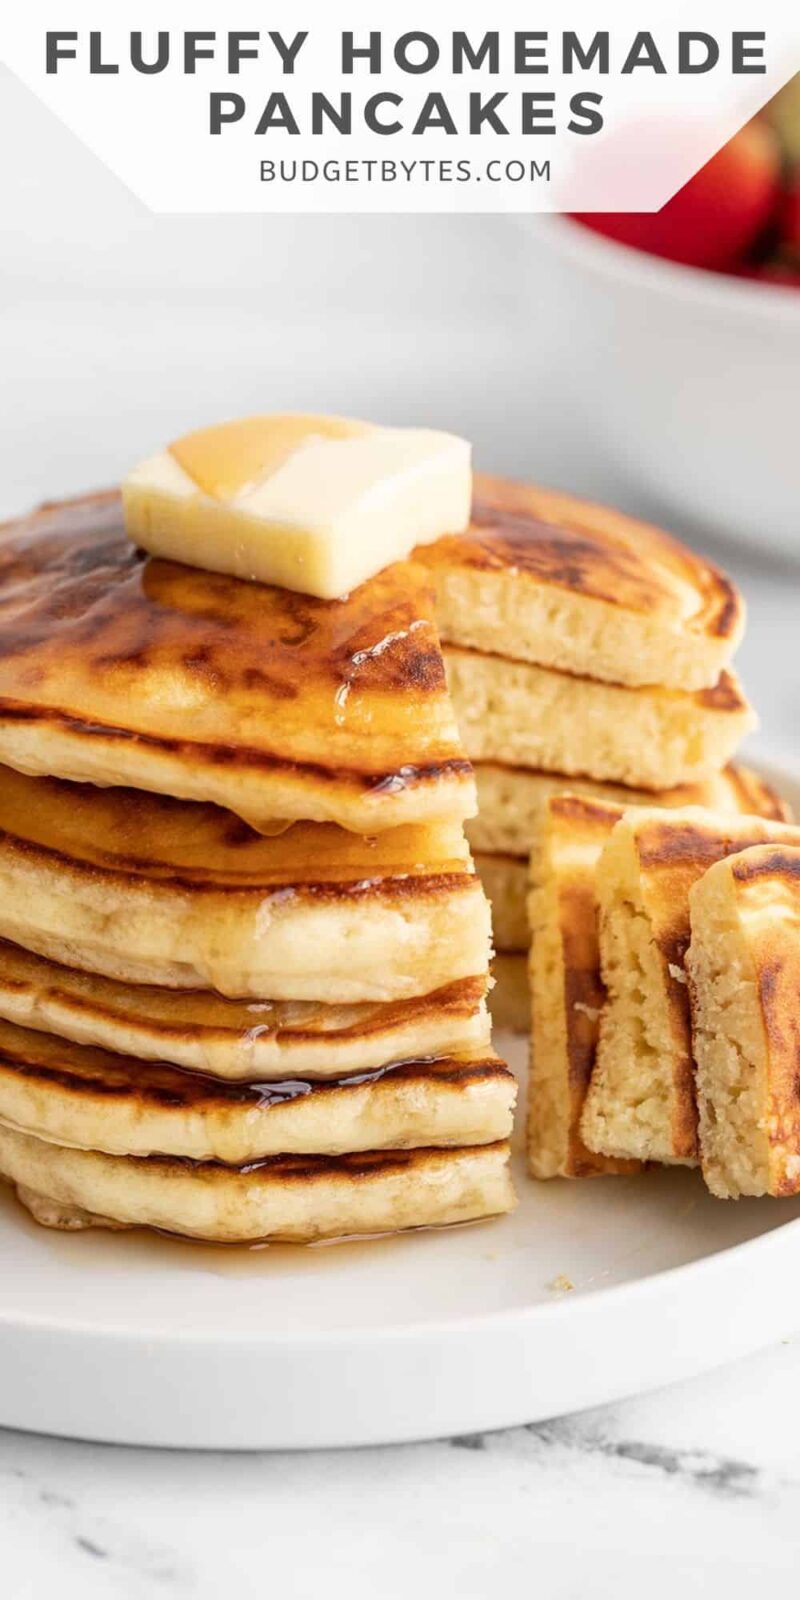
641,1099
584,589
744,971
651,738
505,880
567,992
157,891
513,801
509,999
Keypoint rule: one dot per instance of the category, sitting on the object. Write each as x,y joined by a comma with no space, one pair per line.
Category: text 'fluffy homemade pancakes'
584,589
293,1198
120,669
743,966
150,890
69,1094
238,1040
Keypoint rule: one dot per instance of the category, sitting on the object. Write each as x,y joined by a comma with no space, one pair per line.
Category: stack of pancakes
587,652
243,950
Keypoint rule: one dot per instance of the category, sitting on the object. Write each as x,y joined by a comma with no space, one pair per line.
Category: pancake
238,1040
120,669
567,991
293,1198
69,1094
529,716
151,890
504,873
505,880
510,1000
512,801
641,1100
743,966
582,588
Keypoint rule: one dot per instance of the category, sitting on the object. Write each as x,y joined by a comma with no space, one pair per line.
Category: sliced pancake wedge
239,1040
523,715
743,966
293,1198
145,889
510,999
512,801
567,992
505,879
582,588
71,1094
116,668
641,1099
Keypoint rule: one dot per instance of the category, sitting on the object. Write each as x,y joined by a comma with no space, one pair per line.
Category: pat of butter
317,504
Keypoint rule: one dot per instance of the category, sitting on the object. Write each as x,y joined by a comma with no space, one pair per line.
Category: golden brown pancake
523,715
641,1100
238,1040
743,966
119,669
567,992
510,999
69,1094
505,880
512,801
544,577
145,889
293,1198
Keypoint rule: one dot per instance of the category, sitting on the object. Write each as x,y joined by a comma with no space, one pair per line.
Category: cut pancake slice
238,1040
744,981
567,992
116,668
510,1000
584,589
512,801
292,1198
641,1100
149,890
505,879
69,1094
514,812
523,715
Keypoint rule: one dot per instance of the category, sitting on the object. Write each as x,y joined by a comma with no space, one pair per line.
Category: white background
118,330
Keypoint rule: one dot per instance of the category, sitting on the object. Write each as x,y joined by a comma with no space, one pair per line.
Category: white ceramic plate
118,1338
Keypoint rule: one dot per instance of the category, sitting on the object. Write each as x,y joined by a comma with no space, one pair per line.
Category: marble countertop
691,1489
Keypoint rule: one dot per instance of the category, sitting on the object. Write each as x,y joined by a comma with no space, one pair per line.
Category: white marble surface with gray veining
693,1490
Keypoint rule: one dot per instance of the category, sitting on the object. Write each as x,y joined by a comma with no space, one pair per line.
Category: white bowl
688,380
